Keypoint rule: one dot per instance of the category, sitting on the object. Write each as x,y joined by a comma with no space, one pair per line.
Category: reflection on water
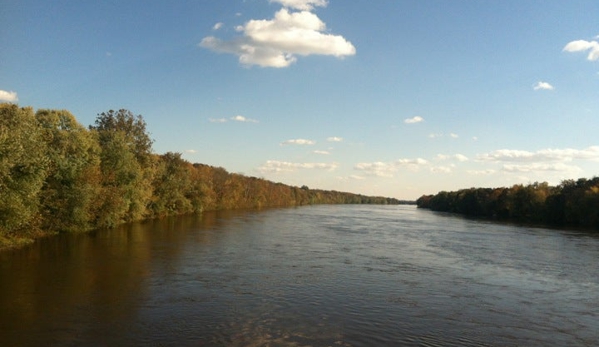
310,276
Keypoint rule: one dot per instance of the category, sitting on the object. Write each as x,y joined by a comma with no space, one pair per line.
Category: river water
341,275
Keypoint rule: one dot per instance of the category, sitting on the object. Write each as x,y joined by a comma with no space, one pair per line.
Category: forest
58,176
573,203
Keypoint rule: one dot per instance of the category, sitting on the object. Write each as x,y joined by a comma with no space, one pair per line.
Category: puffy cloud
458,157
416,119
304,5
298,142
217,26
388,169
379,169
543,86
412,163
276,42
321,152
454,136
8,96
275,166
461,157
544,155
243,119
335,139
582,46
191,151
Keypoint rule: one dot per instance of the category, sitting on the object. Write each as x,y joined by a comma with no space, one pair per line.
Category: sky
395,98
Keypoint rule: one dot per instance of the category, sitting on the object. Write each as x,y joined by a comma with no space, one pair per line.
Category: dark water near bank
310,276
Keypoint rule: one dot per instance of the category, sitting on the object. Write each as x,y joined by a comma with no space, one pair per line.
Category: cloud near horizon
277,42
301,142
335,139
275,166
8,96
237,118
458,157
544,167
388,169
543,155
582,46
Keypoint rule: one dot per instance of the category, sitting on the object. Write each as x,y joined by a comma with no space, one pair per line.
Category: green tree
172,186
72,184
22,170
127,167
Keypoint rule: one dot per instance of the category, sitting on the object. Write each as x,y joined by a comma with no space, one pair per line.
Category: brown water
310,276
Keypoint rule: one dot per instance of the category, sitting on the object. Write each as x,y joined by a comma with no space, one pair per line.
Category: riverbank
572,204
58,176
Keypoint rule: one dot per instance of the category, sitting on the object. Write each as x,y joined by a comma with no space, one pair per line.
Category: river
340,275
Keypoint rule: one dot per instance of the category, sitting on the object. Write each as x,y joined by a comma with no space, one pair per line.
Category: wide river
346,275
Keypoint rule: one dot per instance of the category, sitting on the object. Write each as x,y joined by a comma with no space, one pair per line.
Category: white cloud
298,142
356,177
217,26
437,135
441,169
582,46
543,86
481,172
335,139
388,169
536,167
243,119
321,152
379,169
461,157
458,157
544,155
275,166
8,96
237,118
412,163
191,151
304,5
276,42
416,119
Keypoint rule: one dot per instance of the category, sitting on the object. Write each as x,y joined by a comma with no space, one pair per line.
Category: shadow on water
60,289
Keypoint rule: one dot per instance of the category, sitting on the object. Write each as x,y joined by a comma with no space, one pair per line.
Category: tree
127,167
172,186
71,187
23,166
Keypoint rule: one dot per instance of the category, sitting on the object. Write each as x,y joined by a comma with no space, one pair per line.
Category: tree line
571,203
58,176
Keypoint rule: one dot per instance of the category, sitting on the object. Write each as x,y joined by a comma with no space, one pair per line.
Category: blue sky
395,98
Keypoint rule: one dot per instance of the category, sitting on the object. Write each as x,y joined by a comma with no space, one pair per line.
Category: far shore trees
571,203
